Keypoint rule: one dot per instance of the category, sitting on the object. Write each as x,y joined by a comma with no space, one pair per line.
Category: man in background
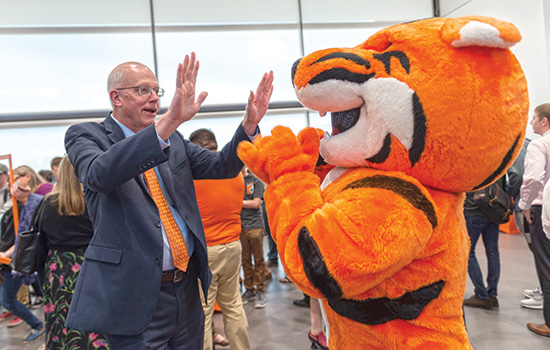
54,164
252,237
535,177
220,203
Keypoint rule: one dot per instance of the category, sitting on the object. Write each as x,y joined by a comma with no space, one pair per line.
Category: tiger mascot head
442,99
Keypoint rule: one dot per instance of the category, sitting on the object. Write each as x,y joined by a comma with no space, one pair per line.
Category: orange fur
382,241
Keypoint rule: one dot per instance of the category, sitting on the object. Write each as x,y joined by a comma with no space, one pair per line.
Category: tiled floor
282,325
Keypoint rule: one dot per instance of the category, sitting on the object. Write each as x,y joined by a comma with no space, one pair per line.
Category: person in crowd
252,236
66,232
148,249
479,224
272,254
27,182
535,177
27,174
220,203
54,165
39,187
5,194
47,175
521,223
317,335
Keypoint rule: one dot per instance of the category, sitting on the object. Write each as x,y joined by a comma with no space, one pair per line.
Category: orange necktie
177,243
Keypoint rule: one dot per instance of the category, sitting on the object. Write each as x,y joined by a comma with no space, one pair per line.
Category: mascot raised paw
421,113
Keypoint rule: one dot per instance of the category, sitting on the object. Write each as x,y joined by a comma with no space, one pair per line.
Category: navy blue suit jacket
119,283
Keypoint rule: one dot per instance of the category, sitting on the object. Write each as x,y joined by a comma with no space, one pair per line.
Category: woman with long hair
66,231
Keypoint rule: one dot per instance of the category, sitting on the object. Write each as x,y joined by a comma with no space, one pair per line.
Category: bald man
129,287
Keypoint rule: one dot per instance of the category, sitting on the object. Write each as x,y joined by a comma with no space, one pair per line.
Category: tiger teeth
327,135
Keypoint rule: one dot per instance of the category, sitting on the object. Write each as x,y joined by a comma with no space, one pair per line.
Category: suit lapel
166,175
115,134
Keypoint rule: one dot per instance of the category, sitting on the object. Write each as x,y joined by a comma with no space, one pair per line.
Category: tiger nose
293,70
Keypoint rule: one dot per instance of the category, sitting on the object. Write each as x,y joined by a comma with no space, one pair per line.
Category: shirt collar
126,130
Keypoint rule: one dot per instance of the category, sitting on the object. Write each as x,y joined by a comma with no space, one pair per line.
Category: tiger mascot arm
311,227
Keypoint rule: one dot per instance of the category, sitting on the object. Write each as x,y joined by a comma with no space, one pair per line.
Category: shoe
37,302
540,329
474,301
15,322
301,302
6,315
267,275
272,263
35,334
533,303
494,301
285,280
219,339
529,293
248,296
260,301
318,341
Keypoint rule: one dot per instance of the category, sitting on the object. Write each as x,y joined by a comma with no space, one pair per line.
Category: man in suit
138,283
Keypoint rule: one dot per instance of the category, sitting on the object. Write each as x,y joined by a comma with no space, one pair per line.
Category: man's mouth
342,121
150,110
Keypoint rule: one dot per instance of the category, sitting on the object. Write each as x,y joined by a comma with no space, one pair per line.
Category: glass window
64,72
29,13
318,39
223,11
224,127
34,147
231,62
365,11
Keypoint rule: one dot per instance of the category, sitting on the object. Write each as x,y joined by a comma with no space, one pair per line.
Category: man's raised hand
258,103
184,105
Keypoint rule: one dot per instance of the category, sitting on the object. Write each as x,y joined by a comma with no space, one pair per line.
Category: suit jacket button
157,224
153,160
140,167
157,261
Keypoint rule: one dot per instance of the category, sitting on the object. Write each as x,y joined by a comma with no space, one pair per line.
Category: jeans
9,290
272,254
481,225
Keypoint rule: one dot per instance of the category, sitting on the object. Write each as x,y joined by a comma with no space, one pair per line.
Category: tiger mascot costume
421,113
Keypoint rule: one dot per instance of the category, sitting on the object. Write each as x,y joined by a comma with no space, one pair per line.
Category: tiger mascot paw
281,153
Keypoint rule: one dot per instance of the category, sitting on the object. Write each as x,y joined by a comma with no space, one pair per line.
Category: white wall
532,52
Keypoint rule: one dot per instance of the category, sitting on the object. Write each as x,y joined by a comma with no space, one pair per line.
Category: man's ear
114,95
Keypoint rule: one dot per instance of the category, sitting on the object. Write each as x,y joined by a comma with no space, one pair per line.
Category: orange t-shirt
220,204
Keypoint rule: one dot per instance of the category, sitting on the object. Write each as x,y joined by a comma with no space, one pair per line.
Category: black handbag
494,202
24,259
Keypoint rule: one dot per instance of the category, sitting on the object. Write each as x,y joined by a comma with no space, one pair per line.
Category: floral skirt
62,269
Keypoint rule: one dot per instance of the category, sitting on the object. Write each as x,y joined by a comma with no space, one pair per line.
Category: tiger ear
479,31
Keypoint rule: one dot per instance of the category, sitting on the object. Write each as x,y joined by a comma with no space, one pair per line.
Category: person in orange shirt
220,203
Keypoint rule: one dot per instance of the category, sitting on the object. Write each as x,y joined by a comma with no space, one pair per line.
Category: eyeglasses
144,90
